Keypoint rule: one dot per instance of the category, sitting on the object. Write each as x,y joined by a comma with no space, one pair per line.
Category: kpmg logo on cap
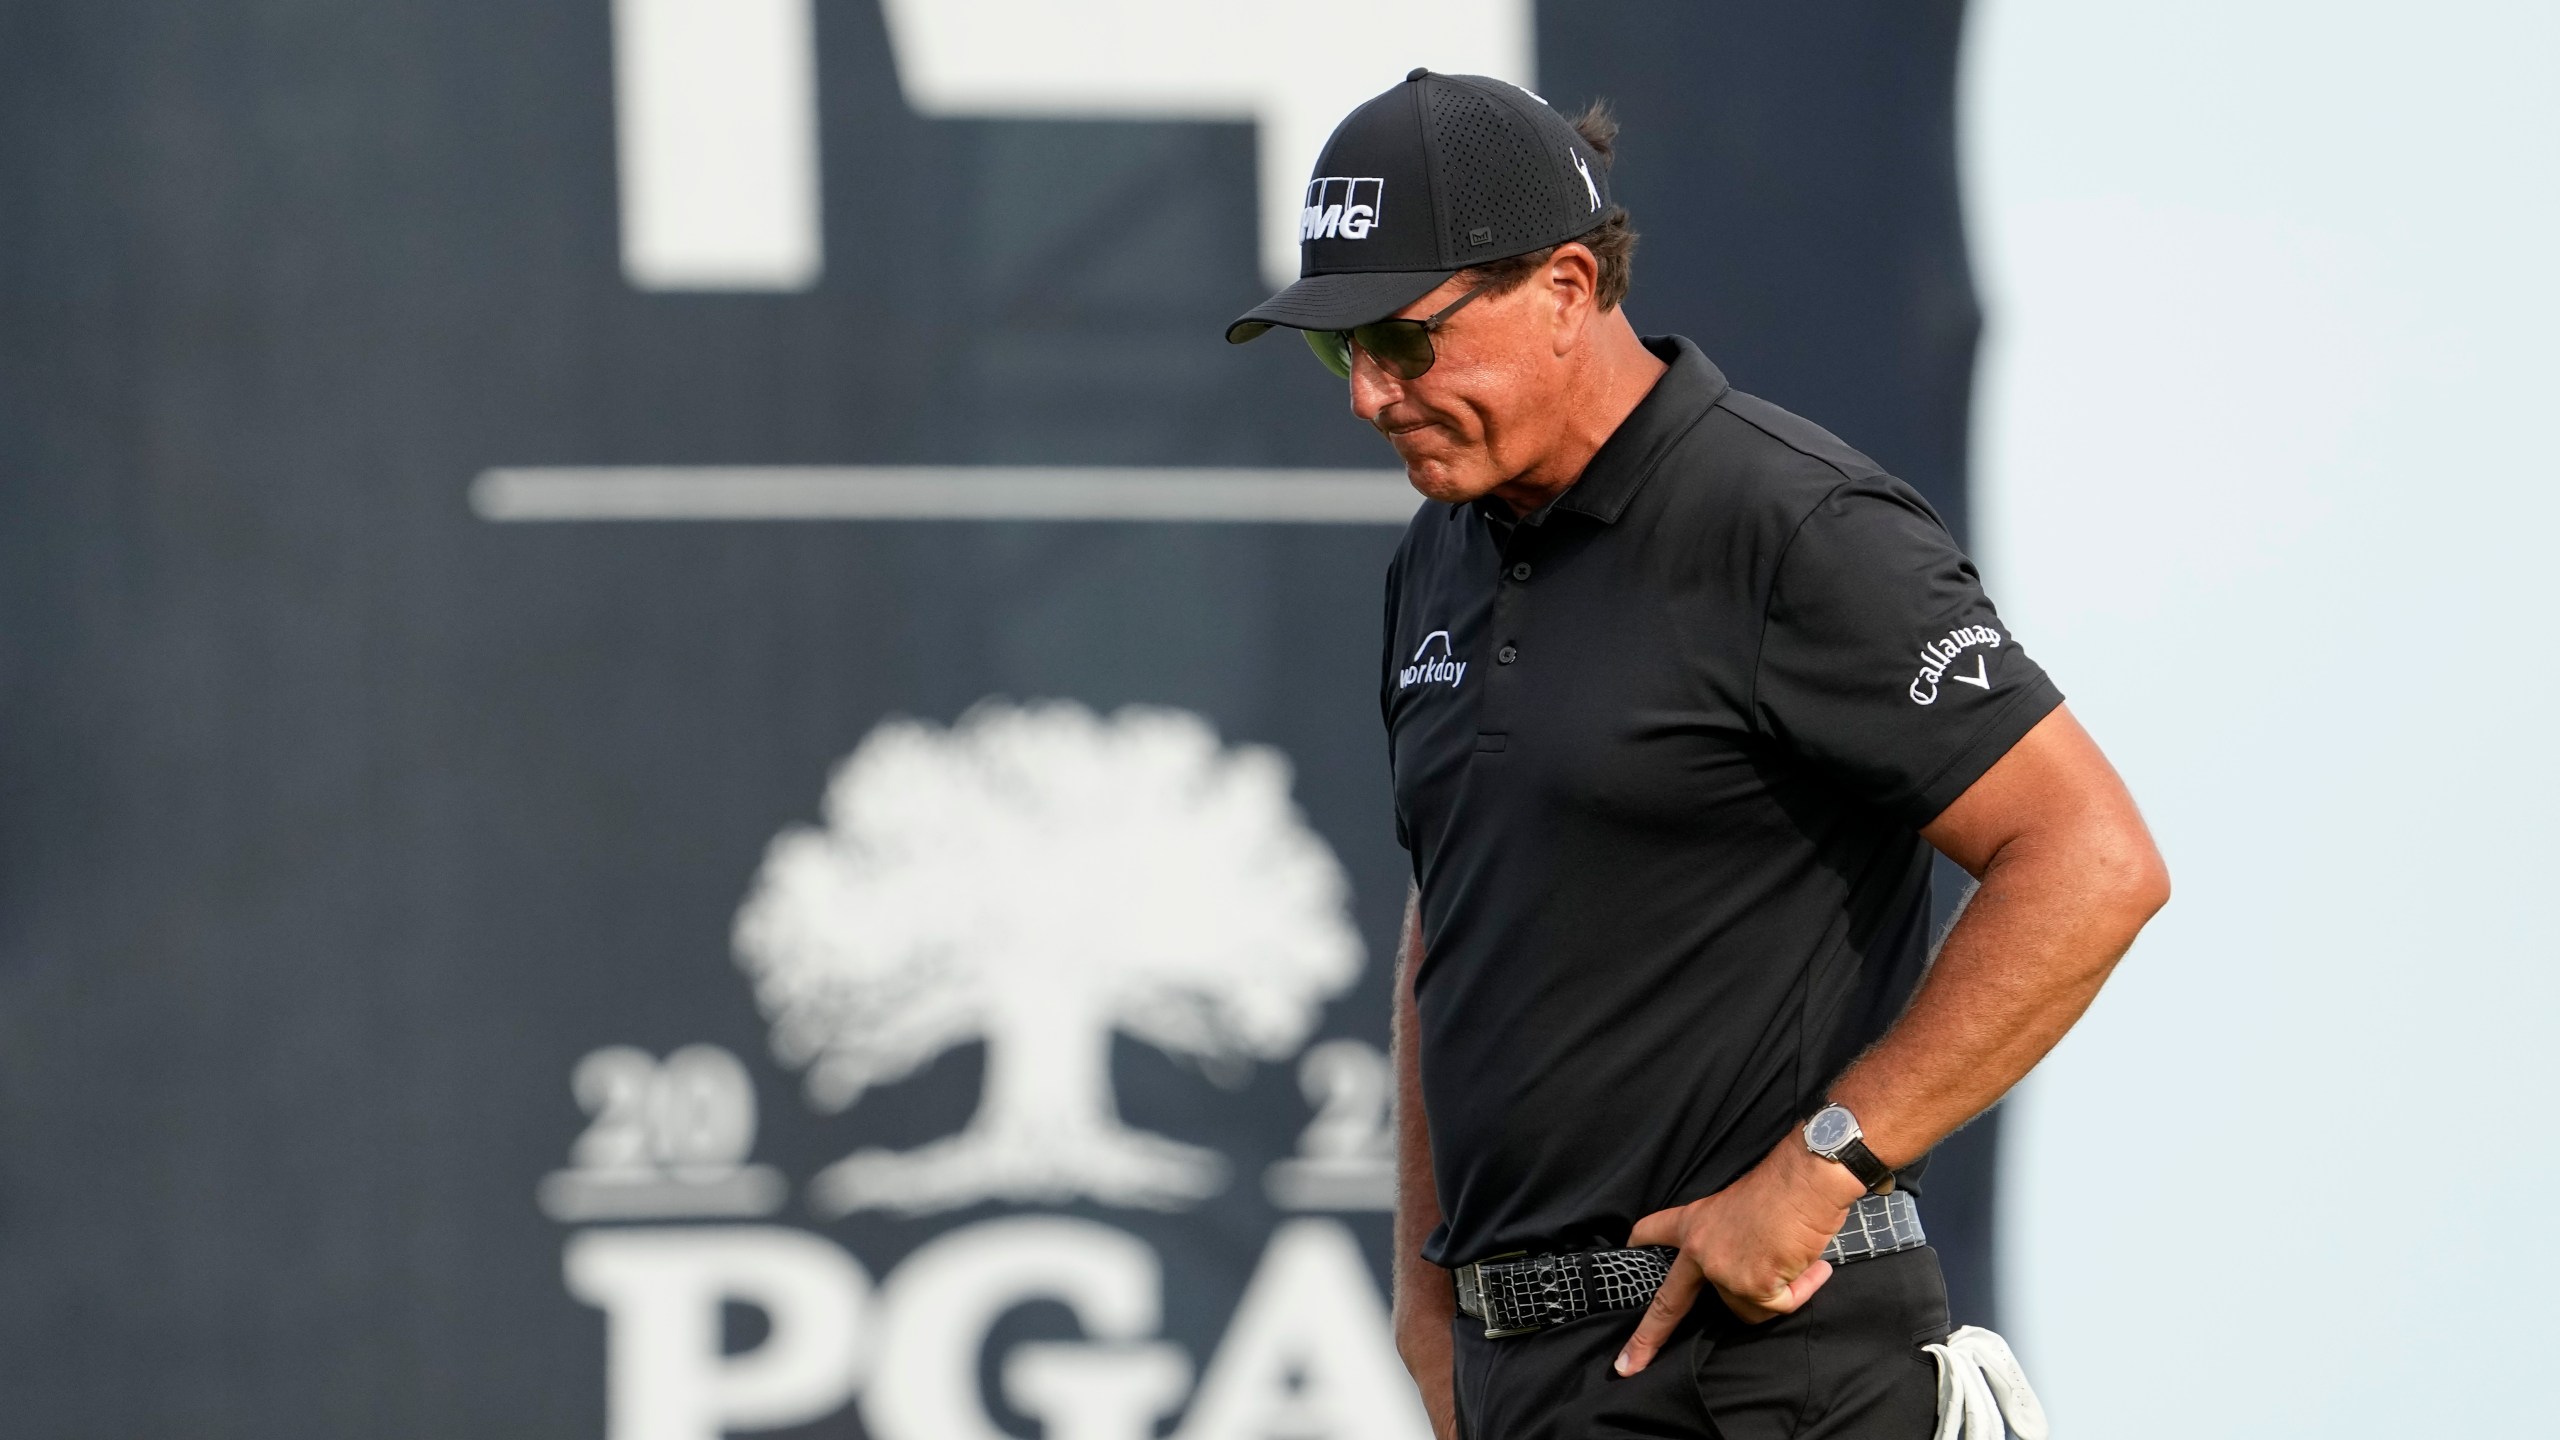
1341,207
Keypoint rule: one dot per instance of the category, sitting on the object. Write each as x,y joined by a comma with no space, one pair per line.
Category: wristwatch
1834,1135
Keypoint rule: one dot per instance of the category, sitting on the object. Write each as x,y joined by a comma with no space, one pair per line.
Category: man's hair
1612,242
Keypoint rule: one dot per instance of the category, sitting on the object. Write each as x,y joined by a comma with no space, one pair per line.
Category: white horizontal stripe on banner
943,492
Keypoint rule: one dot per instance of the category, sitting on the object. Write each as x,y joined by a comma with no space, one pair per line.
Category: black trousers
1847,1366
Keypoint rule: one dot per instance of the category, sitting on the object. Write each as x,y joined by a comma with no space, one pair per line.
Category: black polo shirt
1661,754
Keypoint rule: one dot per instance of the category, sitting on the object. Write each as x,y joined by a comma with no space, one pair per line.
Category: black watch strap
1873,1173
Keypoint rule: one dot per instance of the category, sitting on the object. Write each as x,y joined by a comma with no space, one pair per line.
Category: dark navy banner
680,755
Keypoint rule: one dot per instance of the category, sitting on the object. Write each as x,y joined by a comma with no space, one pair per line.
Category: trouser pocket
1848,1366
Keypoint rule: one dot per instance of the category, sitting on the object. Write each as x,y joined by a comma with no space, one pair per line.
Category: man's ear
1573,290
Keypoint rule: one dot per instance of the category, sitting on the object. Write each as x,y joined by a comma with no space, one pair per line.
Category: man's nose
1372,388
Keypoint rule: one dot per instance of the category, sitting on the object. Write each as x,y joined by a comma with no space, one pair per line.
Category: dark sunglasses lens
1333,348
1401,347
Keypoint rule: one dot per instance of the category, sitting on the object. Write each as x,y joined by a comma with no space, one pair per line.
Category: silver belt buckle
1469,1279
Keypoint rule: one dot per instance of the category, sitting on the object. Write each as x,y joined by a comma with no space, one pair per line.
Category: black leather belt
1519,1294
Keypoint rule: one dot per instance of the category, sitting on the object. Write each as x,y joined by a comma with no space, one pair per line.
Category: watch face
1829,1130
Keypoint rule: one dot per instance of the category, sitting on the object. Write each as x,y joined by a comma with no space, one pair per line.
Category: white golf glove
1979,1382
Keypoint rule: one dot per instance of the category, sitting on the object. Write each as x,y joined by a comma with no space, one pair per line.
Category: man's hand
1758,1241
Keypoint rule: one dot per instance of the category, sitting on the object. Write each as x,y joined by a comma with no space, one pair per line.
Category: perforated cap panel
1511,174
1492,169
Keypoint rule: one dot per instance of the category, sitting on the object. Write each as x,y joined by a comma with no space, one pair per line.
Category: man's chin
1440,479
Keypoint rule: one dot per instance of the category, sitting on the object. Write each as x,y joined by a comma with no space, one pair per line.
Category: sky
2270,315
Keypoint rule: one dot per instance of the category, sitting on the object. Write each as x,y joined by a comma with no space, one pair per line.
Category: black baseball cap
1439,173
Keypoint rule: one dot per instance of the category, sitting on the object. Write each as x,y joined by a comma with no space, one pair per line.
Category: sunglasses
1402,348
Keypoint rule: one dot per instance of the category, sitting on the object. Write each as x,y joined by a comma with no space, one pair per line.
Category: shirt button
1507,654
1520,571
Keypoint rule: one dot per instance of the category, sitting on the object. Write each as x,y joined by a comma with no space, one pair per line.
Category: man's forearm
1424,1300
2057,906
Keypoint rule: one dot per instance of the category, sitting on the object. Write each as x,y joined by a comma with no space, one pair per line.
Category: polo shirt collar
1628,458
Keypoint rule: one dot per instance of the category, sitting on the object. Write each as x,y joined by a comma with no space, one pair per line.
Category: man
1681,691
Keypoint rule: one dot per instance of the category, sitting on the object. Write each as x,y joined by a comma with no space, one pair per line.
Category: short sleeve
1882,663
1386,691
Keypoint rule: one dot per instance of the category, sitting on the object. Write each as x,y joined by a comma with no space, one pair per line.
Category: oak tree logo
1039,877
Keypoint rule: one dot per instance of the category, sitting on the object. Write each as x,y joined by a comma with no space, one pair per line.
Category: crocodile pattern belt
1518,1294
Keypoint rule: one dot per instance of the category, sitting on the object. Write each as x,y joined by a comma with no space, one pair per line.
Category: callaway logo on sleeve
1939,659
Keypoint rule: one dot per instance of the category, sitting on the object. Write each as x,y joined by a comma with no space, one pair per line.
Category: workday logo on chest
1433,664
1341,207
